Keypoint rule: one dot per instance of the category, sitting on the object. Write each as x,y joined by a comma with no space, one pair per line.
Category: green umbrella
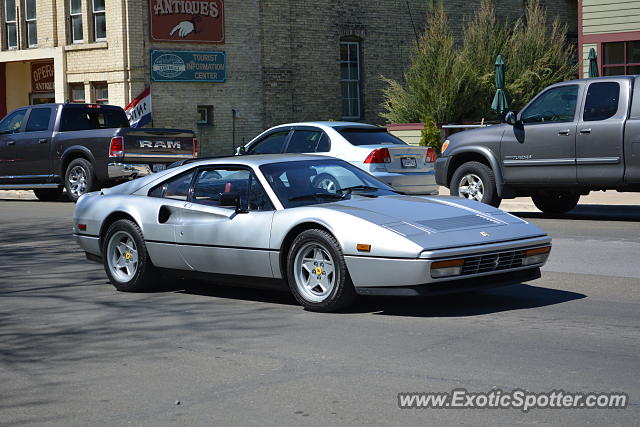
500,104
593,63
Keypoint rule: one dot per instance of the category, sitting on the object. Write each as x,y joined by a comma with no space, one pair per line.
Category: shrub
451,83
430,134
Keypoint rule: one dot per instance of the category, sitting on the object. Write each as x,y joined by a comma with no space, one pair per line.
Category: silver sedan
266,218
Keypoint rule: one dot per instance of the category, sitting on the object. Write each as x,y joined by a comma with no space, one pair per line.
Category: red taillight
431,155
195,147
93,105
116,148
379,155
82,227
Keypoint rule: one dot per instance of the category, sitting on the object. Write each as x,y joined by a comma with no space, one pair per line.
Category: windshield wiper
357,188
317,196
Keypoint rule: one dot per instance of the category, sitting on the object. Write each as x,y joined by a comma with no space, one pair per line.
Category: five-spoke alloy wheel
126,260
317,273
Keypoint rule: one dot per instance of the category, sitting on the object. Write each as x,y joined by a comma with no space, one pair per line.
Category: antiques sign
183,21
188,66
42,78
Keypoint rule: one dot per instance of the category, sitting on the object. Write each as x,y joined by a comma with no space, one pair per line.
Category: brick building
282,60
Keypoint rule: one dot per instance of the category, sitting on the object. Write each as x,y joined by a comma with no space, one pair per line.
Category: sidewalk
521,204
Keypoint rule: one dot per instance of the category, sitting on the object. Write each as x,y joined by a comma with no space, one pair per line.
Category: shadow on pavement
516,297
592,213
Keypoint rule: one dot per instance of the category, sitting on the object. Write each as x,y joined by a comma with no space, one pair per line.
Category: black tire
326,182
342,292
555,202
487,180
79,179
48,194
144,275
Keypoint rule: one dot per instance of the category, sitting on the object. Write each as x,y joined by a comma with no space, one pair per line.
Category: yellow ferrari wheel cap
318,271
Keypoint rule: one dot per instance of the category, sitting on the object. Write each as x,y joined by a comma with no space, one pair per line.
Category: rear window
85,118
370,137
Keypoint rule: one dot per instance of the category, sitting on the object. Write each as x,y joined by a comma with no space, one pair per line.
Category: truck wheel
555,202
475,181
79,179
48,194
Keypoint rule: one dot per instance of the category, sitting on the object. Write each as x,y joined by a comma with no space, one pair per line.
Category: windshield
370,136
309,182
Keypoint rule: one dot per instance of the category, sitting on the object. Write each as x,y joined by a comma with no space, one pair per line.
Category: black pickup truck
82,147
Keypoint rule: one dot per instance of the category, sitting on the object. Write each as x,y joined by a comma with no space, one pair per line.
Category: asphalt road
75,352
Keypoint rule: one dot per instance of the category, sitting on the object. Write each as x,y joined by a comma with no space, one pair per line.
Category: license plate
157,167
409,162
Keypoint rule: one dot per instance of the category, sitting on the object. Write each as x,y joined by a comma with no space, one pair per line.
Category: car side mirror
510,118
241,150
232,200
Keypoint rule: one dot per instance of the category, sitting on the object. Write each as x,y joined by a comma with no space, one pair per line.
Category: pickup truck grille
492,262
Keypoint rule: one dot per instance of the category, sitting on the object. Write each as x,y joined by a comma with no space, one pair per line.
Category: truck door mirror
510,118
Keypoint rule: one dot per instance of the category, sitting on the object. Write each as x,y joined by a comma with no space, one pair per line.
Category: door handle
564,132
11,143
43,141
585,131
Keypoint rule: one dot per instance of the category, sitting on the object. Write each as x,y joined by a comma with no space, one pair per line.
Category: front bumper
454,286
122,171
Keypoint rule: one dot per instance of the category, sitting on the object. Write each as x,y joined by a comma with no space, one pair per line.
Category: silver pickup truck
572,138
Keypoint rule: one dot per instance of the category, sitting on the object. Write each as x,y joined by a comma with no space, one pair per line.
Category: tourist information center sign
188,66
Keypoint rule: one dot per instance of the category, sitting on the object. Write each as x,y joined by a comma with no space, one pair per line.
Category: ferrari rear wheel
126,260
317,273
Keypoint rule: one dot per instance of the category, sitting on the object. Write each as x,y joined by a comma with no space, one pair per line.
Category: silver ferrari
268,217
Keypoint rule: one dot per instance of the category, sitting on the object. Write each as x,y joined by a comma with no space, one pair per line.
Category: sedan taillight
195,148
379,155
431,156
116,147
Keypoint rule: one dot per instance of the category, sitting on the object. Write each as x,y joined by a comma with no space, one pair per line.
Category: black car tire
79,169
342,292
48,194
487,179
555,202
144,275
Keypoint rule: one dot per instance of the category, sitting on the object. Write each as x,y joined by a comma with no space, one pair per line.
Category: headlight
536,256
445,144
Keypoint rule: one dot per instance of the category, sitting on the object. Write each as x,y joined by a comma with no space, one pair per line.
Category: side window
258,198
210,183
38,120
304,141
324,145
602,101
271,144
556,105
13,122
178,187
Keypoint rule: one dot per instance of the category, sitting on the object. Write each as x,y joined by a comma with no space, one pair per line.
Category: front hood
439,222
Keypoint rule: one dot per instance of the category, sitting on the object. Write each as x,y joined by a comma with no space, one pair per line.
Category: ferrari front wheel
317,272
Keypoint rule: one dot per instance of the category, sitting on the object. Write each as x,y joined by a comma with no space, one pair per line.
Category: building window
101,93
621,58
76,91
10,23
75,13
205,115
99,20
350,79
30,18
